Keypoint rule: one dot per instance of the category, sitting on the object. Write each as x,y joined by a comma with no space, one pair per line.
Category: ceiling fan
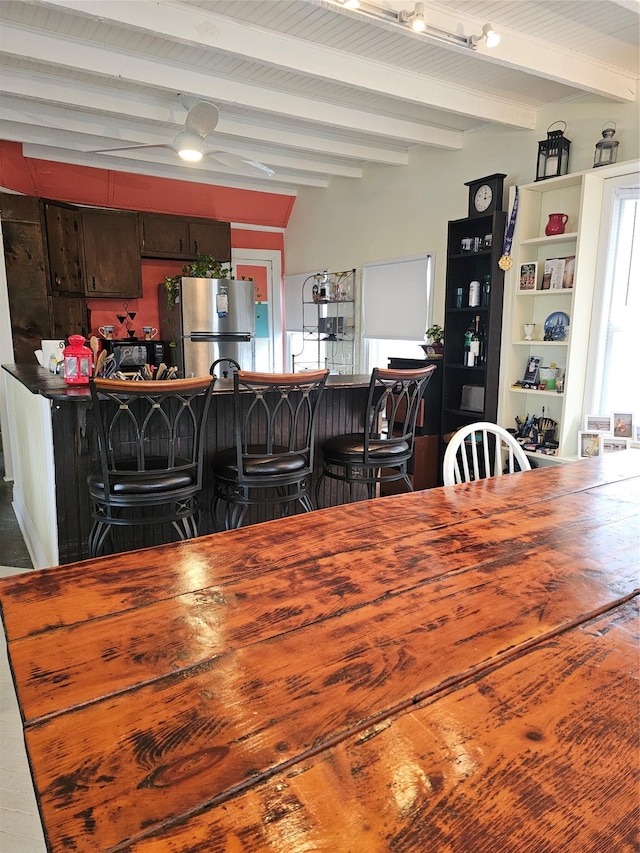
190,144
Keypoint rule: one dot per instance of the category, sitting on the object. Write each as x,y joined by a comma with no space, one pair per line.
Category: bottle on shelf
474,294
467,343
473,356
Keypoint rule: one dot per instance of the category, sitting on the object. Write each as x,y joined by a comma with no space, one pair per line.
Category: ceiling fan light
190,155
189,146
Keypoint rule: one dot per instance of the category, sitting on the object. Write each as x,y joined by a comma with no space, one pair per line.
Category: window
612,379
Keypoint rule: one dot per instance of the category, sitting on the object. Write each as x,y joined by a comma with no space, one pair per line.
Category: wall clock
485,194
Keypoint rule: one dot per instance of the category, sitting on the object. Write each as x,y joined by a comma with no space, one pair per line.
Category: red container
556,224
78,361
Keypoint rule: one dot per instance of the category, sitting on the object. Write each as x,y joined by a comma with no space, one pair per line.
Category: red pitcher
556,224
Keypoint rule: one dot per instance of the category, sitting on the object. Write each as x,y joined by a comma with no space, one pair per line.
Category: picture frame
598,423
528,276
532,369
589,444
622,424
611,444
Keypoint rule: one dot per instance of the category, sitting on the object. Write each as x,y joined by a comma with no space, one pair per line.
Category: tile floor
20,827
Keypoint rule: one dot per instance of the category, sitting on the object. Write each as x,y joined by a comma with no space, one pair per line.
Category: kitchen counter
54,447
38,380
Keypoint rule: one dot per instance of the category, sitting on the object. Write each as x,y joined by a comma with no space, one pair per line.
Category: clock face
483,198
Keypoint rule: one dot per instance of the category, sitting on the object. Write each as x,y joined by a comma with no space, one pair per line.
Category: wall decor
589,444
528,276
622,424
598,423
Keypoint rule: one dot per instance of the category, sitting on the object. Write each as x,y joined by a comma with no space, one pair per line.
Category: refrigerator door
218,321
201,350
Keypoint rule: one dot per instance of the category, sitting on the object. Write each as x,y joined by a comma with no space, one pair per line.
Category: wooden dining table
448,670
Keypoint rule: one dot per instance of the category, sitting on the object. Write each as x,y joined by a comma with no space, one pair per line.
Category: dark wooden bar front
450,670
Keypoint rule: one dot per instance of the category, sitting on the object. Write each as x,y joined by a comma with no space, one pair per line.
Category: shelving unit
578,195
328,323
462,268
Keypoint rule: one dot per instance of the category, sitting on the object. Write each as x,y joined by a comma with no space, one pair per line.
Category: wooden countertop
452,670
40,381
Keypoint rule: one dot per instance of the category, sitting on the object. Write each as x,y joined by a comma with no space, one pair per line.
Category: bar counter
54,443
452,670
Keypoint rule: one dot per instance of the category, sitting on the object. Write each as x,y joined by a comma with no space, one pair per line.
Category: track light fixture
488,33
417,21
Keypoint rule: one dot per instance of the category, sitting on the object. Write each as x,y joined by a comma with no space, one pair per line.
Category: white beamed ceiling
306,87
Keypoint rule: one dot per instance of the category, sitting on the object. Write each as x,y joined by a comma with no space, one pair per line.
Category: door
264,266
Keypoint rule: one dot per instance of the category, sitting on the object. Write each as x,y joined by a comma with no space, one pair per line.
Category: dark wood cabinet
111,251
471,393
63,248
24,254
68,315
179,237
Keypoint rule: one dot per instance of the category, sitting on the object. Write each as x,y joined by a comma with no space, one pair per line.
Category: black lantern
607,147
553,153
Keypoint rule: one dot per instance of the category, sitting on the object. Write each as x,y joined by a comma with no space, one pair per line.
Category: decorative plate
555,326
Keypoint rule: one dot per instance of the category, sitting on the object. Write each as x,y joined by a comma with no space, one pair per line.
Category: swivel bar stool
150,458
381,453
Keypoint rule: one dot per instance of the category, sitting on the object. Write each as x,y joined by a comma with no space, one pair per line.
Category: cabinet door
164,236
68,315
207,237
63,248
26,285
111,253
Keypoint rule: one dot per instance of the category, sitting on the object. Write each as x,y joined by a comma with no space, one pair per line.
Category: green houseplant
205,266
435,340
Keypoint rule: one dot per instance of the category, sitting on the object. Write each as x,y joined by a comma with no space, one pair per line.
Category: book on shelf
558,273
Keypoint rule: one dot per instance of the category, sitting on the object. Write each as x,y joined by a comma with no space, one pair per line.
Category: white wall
398,211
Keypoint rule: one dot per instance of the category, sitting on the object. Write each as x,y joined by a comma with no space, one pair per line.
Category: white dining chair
480,450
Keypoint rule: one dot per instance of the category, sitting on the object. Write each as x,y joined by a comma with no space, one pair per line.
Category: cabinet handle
195,246
93,281
181,249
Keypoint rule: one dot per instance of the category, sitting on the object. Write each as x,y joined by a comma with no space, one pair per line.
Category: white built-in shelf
554,238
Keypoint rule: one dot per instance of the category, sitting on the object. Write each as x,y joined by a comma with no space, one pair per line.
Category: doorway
265,268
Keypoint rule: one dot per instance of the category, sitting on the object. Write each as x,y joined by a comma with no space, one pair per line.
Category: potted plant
205,266
435,340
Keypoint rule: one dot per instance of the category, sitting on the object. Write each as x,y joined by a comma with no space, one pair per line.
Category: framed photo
529,276
589,444
622,425
598,423
611,444
532,369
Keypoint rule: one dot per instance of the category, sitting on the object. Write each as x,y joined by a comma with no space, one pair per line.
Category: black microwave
134,354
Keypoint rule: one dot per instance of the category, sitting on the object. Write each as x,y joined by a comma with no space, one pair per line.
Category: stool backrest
481,450
150,425
394,403
275,415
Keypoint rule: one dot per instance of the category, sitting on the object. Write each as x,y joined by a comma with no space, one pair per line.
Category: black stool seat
151,459
272,461
382,451
350,448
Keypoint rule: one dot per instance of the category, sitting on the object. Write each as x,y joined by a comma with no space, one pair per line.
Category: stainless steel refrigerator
218,321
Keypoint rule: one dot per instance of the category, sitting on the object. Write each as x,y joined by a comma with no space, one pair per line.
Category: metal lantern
607,147
553,153
78,361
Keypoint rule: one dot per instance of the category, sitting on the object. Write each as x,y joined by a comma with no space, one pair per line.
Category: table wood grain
452,670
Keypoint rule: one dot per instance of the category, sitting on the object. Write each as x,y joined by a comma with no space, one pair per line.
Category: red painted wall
107,188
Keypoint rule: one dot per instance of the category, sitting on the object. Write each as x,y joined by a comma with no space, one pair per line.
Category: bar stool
272,460
150,455
381,453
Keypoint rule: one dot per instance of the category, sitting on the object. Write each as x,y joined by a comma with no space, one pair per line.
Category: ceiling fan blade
202,118
131,148
250,167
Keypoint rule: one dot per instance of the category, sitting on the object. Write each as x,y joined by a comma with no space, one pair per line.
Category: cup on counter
466,244
106,332
148,332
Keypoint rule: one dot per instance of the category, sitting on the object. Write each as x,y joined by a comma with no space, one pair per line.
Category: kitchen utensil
162,367
93,343
99,364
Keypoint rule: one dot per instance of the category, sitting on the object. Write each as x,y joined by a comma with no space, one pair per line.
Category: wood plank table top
448,670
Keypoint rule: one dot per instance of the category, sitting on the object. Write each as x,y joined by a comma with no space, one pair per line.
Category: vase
556,224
